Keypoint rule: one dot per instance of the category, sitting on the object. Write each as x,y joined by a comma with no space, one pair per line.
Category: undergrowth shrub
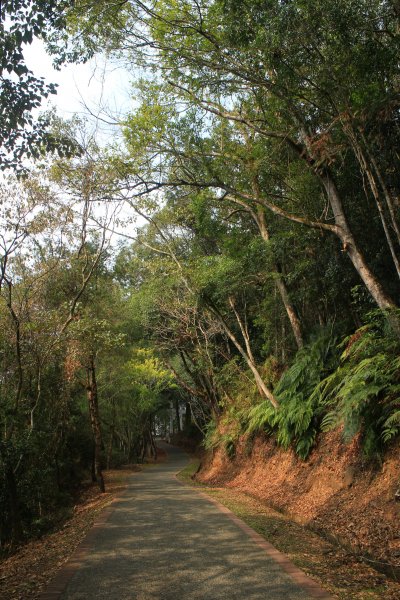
358,389
211,436
363,393
296,422
241,394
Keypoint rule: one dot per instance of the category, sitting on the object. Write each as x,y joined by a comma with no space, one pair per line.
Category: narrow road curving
165,541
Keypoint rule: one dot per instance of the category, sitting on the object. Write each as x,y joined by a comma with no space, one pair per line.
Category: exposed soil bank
334,491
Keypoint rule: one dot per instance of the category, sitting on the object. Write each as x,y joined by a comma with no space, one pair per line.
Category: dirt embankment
335,492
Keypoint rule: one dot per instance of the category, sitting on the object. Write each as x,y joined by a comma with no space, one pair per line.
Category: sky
98,87
95,89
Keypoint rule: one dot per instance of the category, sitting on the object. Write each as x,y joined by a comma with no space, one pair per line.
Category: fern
296,421
320,391
211,437
363,392
260,417
391,426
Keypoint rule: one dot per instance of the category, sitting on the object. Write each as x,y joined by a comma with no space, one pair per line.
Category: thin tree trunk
290,309
111,439
291,312
262,387
93,466
15,516
363,162
153,444
200,380
178,419
95,420
188,415
110,447
388,197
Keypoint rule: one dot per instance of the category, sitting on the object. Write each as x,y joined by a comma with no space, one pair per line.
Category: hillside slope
334,491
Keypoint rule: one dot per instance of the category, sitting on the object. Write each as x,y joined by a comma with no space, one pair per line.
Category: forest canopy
234,257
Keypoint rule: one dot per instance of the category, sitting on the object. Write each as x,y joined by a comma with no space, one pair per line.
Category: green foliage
21,91
211,438
297,418
239,158
230,447
214,439
363,392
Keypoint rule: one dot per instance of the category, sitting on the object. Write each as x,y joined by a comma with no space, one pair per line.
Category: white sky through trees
98,90
98,85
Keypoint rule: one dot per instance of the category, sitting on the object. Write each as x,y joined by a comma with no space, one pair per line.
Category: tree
287,96
21,92
45,272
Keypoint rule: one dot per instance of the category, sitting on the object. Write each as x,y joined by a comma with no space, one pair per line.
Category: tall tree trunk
111,438
110,447
188,415
373,285
93,465
178,417
95,420
201,381
365,167
261,385
386,193
342,228
153,443
289,307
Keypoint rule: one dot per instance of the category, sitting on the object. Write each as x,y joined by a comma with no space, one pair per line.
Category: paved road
164,541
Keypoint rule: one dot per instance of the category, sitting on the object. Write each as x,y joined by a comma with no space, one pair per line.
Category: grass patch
186,475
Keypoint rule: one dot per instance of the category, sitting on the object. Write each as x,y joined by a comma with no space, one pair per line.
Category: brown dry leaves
335,493
336,569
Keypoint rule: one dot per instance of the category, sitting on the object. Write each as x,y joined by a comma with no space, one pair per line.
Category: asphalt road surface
165,541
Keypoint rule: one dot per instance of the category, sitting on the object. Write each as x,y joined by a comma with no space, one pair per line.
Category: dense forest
232,251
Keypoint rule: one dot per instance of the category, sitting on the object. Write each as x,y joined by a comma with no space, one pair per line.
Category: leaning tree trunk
367,170
259,217
371,282
95,420
245,352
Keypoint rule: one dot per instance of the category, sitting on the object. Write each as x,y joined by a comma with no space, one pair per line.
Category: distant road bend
165,541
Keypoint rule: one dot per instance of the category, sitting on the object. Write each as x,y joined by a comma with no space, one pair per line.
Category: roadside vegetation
229,262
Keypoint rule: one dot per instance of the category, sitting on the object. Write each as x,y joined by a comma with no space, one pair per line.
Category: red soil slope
334,491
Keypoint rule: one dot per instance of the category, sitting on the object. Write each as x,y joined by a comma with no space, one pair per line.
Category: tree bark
363,162
188,415
110,447
15,516
178,419
258,216
281,285
262,387
388,197
341,227
373,285
95,420
111,438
